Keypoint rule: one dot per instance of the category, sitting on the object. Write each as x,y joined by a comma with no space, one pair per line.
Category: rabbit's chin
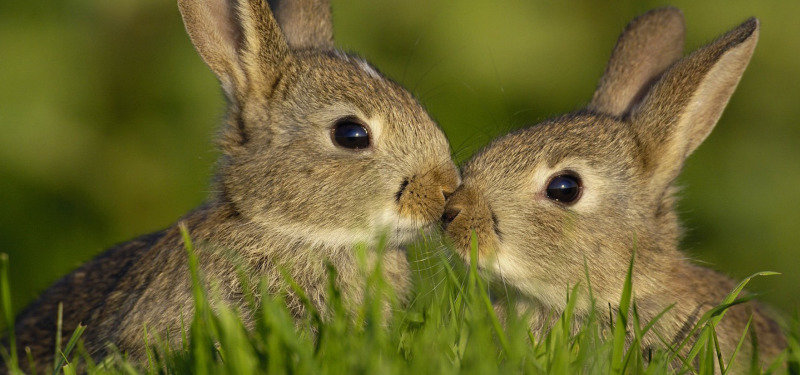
402,231
395,234
403,236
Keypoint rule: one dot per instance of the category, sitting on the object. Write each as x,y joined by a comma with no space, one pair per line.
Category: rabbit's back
83,294
695,285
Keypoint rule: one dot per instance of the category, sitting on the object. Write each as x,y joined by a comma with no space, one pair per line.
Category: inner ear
240,41
683,107
216,34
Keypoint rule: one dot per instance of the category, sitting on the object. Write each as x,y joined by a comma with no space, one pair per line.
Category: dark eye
564,188
350,134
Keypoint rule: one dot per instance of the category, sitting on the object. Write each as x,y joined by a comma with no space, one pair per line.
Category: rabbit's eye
350,134
564,188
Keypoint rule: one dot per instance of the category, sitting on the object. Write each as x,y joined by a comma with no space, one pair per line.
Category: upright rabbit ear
682,108
648,46
306,23
238,39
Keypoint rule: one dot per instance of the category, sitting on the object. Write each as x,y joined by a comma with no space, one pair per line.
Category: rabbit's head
317,144
589,187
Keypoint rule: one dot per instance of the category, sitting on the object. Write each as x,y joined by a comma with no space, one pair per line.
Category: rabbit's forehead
547,143
331,86
339,78
570,143
338,74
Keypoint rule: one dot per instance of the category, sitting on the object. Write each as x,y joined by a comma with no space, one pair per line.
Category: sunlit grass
450,327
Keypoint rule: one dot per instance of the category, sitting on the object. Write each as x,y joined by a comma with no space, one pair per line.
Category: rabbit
598,184
319,152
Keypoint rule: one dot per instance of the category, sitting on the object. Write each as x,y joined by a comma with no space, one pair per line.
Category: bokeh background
107,116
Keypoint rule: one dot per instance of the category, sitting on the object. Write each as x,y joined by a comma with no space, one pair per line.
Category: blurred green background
108,115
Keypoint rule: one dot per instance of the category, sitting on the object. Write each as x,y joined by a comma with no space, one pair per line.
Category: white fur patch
546,293
387,222
401,229
376,125
317,237
341,55
369,69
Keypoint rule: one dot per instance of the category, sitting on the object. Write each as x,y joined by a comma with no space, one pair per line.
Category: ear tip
667,23
748,30
667,13
752,24
669,10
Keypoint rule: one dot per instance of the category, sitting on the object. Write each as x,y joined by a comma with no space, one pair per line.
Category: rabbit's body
320,153
145,282
590,187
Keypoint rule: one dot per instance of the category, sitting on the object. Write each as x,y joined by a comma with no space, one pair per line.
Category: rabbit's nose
446,193
449,215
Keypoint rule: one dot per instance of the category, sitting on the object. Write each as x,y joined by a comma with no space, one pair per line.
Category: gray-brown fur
305,23
650,112
285,196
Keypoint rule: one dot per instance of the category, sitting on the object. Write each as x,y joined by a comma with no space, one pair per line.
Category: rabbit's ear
681,109
238,39
306,23
648,46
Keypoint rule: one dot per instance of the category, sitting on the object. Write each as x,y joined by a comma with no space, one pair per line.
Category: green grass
450,327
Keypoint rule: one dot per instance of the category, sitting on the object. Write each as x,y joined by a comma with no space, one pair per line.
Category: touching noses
449,215
452,208
461,206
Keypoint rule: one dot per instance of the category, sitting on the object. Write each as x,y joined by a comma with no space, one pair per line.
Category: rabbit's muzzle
450,214
421,198
467,212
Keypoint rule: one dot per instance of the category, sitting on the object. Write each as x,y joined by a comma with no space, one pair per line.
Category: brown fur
650,111
285,195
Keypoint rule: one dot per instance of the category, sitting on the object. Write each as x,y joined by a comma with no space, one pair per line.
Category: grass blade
735,293
738,345
8,315
59,321
620,328
484,296
201,346
29,354
63,357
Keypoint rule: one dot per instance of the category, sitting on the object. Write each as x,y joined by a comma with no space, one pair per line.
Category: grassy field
449,328
108,117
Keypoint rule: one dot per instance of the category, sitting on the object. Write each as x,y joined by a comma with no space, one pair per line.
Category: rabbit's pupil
352,135
564,188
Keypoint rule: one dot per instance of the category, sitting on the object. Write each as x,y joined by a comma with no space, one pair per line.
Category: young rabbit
320,152
594,185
